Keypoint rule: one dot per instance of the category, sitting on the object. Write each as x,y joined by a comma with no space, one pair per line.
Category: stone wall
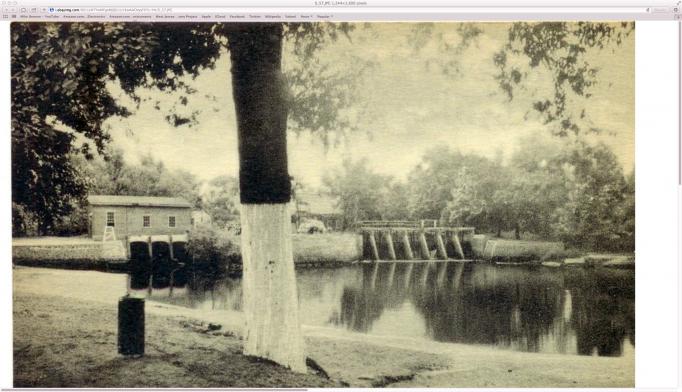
78,254
495,249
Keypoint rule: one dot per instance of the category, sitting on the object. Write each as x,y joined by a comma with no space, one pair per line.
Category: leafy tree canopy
361,192
562,49
221,200
60,98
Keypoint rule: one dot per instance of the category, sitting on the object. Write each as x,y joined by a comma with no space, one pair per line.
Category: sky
404,105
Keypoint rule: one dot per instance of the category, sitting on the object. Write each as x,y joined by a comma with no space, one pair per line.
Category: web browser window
325,194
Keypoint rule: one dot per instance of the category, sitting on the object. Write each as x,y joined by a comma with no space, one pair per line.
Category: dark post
131,326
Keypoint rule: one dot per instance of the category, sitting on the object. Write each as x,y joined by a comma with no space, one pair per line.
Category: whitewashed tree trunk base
270,298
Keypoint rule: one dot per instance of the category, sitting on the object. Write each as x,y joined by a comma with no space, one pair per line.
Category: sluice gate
158,261
414,241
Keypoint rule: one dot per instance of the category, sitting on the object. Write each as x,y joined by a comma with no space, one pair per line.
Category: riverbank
65,335
69,252
328,249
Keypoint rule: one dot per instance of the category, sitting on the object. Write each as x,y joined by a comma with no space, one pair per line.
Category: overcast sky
407,106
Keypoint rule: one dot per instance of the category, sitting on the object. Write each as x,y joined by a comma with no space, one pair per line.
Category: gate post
131,326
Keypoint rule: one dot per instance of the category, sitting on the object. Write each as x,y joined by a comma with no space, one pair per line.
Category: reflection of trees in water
181,272
318,282
604,310
529,309
359,311
509,306
214,294
492,305
362,306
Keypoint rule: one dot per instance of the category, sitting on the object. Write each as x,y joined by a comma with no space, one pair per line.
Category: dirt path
65,336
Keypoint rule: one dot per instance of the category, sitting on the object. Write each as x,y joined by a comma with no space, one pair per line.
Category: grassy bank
319,248
326,248
73,344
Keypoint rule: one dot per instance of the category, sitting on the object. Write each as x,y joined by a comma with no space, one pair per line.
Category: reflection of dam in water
158,261
523,308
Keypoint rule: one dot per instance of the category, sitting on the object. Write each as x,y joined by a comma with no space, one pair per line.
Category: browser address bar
476,10
352,9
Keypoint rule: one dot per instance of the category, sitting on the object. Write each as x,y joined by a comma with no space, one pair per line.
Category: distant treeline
560,189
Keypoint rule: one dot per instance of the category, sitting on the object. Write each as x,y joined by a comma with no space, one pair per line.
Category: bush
73,224
24,223
212,251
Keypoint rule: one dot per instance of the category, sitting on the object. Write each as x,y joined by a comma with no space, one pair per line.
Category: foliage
527,202
319,92
360,191
24,223
595,213
73,224
625,215
536,187
560,48
221,201
212,251
113,176
475,199
450,51
395,201
61,98
59,91
432,182
558,189
573,191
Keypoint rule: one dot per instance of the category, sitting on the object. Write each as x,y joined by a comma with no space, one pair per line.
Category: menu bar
212,14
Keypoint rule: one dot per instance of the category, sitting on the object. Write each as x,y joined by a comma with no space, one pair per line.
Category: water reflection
528,309
166,267
535,309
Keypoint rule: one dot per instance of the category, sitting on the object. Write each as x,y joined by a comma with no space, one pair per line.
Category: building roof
317,204
134,201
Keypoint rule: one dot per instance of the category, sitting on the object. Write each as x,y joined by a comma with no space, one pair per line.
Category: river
573,311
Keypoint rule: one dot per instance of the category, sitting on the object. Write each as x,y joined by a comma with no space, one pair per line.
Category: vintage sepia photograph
323,204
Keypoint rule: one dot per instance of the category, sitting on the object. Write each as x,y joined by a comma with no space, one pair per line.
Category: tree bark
269,282
261,108
269,285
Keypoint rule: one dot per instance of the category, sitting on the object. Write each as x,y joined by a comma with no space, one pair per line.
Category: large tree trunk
269,282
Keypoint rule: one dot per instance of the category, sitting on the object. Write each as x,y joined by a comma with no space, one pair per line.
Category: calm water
535,309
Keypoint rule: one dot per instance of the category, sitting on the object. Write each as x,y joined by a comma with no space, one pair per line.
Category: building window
146,221
171,221
110,219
